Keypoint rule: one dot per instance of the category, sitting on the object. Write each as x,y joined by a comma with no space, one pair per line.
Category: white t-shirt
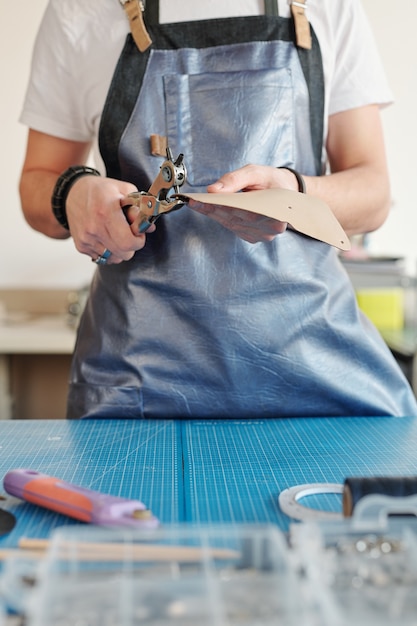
79,43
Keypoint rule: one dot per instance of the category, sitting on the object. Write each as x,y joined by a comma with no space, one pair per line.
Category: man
214,312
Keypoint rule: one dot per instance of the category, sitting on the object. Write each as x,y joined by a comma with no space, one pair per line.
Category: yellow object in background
384,307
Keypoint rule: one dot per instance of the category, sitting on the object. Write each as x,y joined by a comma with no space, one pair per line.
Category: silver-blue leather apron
200,324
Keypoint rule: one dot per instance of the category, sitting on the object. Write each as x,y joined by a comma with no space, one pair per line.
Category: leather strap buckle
134,11
301,23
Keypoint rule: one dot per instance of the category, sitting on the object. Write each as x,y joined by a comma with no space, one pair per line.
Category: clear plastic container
360,570
214,576
364,568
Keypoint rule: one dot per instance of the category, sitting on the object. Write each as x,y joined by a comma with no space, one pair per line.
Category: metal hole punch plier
155,202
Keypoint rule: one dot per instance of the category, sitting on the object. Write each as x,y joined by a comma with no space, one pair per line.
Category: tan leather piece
159,145
140,35
302,25
306,214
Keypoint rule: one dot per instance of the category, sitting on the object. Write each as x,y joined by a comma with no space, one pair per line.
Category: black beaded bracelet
300,179
62,187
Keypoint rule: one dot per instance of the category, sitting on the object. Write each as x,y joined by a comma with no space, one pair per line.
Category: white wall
394,29
27,258
30,259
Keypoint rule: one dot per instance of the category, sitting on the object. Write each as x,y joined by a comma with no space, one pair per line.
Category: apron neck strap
151,13
271,7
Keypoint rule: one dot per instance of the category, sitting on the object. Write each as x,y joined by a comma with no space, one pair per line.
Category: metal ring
289,501
102,258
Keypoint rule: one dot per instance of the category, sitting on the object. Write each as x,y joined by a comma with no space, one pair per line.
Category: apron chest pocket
247,116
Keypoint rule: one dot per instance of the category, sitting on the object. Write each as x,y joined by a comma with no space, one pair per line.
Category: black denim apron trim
124,90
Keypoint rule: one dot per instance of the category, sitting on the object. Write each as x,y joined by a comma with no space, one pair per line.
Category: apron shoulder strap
271,7
301,24
151,12
134,11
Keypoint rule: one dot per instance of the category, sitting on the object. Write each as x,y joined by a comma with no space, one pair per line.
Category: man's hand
97,221
249,226
96,218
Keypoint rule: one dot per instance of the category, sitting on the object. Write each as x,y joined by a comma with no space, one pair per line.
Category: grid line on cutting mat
203,471
235,470
135,459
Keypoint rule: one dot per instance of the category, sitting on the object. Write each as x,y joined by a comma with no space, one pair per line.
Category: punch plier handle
155,202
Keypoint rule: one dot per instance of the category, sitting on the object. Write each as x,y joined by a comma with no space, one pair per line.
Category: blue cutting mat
202,471
132,459
234,471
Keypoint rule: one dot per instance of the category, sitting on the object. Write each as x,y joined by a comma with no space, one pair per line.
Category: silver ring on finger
102,258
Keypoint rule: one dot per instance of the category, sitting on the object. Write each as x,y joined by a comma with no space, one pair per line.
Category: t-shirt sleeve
55,100
359,77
